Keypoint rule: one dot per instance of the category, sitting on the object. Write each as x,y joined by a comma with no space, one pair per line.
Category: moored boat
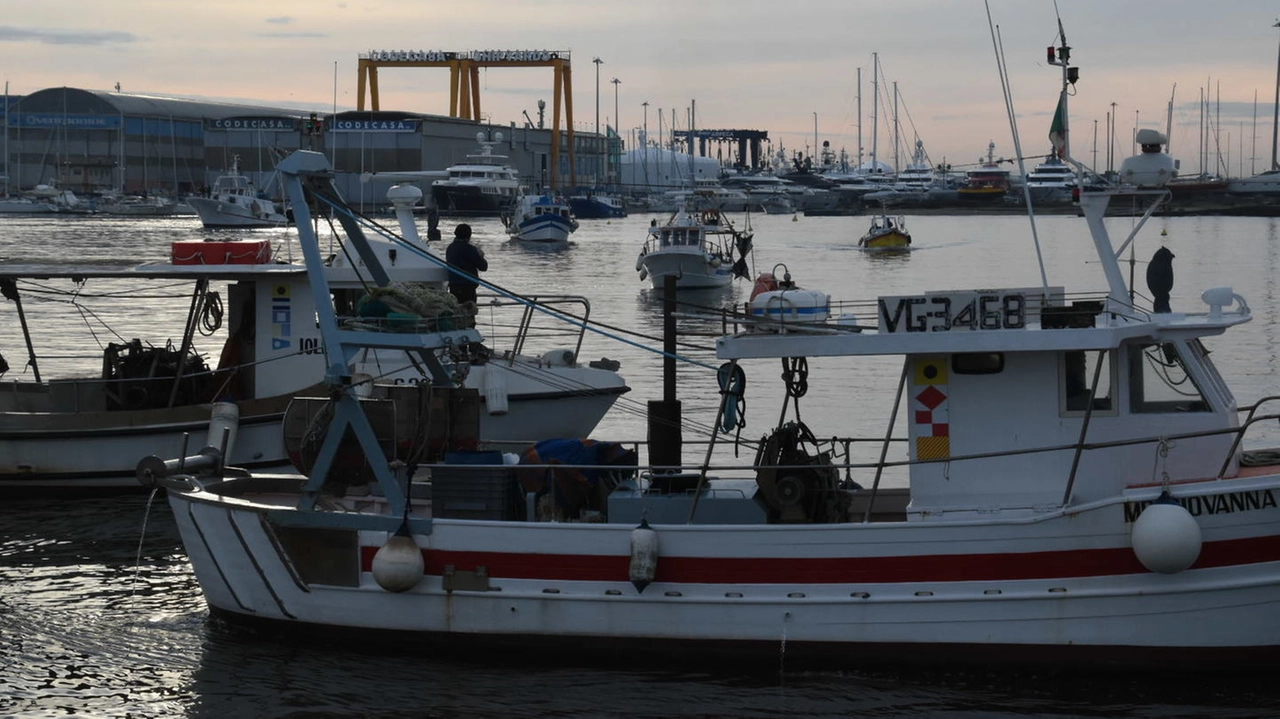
1076,494
590,203
68,432
987,183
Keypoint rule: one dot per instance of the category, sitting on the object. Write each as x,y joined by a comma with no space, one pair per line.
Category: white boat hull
691,267
215,212
544,228
100,450
1062,586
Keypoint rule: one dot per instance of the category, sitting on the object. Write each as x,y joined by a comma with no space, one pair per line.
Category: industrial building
100,141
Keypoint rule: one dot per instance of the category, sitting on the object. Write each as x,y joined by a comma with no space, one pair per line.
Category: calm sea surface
100,614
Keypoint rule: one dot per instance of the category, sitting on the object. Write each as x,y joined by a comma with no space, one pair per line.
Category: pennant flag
1058,130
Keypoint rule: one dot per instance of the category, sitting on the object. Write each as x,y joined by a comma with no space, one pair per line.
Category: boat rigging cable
998,47
339,207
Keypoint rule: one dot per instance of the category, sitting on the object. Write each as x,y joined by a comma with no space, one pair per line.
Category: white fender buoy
224,420
397,566
1165,537
640,263
643,274
644,555
495,389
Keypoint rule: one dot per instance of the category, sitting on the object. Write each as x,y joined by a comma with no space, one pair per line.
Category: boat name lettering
1212,504
375,126
56,119
475,55
309,345
944,312
252,123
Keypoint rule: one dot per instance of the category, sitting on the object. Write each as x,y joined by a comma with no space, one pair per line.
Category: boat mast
875,106
6,138
859,118
1275,122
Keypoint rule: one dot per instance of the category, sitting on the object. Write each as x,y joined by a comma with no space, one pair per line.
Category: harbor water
101,616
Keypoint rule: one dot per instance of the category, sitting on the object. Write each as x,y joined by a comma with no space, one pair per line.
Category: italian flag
1058,130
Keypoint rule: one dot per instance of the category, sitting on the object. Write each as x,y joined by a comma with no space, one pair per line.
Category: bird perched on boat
1160,278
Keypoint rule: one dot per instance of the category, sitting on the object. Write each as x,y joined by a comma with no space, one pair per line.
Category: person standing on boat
463,256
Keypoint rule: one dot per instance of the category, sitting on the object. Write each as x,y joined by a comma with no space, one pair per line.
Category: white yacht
483,185
1266,183
1051,181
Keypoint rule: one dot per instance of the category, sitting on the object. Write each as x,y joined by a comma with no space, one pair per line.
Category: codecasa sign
477,55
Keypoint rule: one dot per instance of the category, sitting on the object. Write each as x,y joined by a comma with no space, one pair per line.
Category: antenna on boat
1013,126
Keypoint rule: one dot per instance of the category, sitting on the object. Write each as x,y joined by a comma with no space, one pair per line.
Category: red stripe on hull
838,570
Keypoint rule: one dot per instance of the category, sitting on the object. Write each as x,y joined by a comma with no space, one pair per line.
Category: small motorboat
886,233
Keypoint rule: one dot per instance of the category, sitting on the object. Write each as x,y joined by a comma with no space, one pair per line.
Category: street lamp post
597,170
645,144
617,126
598,62
815,139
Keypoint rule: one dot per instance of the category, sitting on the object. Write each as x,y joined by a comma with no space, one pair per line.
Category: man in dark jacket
464,257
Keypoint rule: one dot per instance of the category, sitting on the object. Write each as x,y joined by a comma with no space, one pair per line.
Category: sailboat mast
875,106
860,117
1275,122
6,138
897,137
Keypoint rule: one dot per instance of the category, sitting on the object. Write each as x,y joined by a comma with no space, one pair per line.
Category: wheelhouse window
1078,368
1159,381
977,363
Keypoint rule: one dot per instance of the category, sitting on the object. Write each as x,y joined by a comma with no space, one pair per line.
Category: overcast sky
748,64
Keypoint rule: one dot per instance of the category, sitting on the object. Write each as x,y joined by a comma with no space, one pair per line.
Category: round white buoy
644,555
397,567
1166,538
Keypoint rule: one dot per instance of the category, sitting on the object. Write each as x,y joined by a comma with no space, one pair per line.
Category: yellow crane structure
464,85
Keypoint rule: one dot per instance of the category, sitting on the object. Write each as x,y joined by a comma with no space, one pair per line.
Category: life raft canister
766,282
793,305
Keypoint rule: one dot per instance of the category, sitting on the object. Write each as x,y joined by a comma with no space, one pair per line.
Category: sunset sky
748,64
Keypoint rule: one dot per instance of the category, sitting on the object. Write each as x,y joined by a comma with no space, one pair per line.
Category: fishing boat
483,185
247,337
540,218
697,247
234,202
886,233
1077,492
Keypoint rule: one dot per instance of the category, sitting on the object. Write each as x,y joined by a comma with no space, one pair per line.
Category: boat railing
510,323
838,454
